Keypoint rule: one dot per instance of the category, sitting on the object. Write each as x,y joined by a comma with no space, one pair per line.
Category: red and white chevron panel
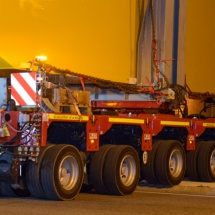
23,88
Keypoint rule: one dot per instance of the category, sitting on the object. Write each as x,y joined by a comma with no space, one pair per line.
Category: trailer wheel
170,163
18,188
33,174
97,169
206,161
121,170
148,168
62,172
8,191
191,163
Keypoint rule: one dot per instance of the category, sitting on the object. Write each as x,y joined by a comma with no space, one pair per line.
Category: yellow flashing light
41,58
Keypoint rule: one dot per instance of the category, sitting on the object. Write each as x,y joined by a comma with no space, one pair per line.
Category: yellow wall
98,38
93,37
200,45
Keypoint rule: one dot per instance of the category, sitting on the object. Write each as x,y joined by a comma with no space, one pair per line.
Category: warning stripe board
23,88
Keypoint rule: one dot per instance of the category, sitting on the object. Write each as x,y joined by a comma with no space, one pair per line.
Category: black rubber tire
62,172
191,163
21,192
8,191
97,169
33,175
118,179
148,168
206,158
86,188
162,163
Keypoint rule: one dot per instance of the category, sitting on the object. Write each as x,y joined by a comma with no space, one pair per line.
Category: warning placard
6,133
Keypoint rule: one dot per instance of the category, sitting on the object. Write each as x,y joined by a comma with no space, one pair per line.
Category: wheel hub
63,172
175,163
68,172
128,170
212,162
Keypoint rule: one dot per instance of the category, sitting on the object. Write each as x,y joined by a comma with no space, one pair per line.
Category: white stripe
30,81
21,91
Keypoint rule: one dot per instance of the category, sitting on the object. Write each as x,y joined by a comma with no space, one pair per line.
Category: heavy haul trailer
62,144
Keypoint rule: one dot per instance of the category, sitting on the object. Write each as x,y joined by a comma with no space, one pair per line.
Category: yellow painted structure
92,37
200,45
99,38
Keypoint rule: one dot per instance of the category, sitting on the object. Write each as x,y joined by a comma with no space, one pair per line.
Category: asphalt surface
185,187
188,198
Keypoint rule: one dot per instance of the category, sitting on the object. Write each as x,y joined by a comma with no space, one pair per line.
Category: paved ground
186,186
187,198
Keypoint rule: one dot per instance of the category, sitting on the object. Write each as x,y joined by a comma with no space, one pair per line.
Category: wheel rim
212,162
68,172
127,170
175,163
